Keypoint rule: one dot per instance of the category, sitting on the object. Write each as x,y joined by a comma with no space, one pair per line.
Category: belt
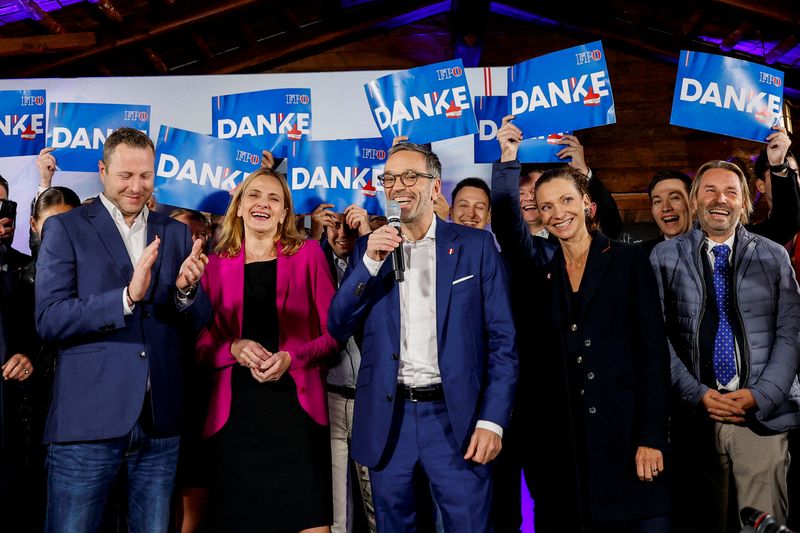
429,393
347,392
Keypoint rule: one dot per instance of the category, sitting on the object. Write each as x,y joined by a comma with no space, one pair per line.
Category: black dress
274,459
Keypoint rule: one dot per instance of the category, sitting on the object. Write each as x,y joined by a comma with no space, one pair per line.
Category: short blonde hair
230,243
747,200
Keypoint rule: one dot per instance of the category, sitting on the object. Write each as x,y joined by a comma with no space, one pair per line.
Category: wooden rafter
201,44
46,44
38,14
156,61
691,24
372,19
780,50
138,38
736,35
109,10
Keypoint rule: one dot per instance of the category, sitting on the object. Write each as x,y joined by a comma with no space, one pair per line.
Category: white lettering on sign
273,123
215,176
428,105
565,91
741,99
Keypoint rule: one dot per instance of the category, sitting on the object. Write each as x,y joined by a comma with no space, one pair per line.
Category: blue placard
490,110
566,90
339,173
728,96
426,104
271,120
79,131
22,119
197,171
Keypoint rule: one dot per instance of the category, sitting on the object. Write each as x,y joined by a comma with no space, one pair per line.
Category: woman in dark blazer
594,361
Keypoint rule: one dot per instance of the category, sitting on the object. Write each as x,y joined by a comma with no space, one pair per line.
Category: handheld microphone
393,219
762,522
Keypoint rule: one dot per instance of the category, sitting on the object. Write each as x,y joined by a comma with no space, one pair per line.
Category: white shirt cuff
589,174
373,267
491,426
127,310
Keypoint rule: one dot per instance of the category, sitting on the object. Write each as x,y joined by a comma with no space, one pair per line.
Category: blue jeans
80,477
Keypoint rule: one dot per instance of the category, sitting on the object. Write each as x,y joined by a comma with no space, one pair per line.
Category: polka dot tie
724,356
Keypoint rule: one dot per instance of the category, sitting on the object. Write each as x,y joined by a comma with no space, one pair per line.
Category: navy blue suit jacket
104,358
475,334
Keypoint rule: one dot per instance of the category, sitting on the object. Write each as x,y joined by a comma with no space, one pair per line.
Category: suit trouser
422,439
758,465
340,410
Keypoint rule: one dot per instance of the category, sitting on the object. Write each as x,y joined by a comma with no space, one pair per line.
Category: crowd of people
255,372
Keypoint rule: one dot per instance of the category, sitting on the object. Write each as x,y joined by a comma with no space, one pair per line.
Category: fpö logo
26,101
297,99
588,57
247,157
769,79
135,115
373,153
450,72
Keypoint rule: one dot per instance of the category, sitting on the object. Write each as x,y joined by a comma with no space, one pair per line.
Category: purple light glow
13,12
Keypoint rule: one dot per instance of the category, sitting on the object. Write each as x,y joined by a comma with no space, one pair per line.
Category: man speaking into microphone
439,364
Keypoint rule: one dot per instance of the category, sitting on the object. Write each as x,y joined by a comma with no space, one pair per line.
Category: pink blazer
304,292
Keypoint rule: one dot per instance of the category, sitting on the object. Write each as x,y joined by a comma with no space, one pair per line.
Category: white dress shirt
134,237
419,352
734,383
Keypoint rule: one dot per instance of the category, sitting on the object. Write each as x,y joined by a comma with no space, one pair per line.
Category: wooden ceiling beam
109,10
357,23
201,44
736,35
788,15
693,22
155,60
46,44
138,38
38,14
780,50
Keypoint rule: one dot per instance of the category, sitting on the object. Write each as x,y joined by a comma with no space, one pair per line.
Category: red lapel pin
450,251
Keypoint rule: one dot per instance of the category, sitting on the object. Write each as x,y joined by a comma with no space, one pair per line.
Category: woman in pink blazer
270,289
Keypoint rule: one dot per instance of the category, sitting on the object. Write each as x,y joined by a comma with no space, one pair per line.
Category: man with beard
732,310
439,365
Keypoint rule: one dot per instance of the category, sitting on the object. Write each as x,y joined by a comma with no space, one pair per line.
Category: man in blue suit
438,366
116,306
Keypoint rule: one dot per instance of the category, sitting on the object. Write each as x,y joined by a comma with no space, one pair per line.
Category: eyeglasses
408,177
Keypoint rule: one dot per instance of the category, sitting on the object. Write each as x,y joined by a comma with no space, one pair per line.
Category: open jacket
766,295
304,290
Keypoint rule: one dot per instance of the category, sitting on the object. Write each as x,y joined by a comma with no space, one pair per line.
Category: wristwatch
777,169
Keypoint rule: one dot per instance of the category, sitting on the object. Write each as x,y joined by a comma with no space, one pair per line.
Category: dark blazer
105,358
591,421
475,334
784,219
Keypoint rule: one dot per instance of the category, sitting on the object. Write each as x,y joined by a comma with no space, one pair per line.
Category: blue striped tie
724,355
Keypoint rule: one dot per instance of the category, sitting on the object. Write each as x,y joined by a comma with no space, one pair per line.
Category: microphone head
393,213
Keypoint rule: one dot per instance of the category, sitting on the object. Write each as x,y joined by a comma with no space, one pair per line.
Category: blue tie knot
721,251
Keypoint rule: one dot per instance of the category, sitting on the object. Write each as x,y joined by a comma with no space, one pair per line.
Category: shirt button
395,356
147,314
592,410
587,343
389,397
590,375
579,359
574,327
143,355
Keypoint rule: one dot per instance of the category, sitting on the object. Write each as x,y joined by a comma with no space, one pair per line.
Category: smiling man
669,204
114,285
471,203
438,360
732,310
